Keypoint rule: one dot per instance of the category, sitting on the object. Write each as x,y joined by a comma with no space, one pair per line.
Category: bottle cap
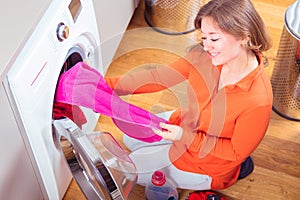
158,178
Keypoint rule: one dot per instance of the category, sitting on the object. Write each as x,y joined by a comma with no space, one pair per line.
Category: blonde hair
238,18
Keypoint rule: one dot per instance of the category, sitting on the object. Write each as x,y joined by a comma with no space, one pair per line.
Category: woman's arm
150,78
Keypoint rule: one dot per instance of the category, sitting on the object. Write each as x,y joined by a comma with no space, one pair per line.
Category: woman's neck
236,70
243,64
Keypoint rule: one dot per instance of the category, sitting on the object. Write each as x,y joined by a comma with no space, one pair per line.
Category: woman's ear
246,40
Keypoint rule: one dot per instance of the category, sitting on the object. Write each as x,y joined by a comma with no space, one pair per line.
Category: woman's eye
214,40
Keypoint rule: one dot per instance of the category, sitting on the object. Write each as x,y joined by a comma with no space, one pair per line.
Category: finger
165,127
162,134
162,125
156,131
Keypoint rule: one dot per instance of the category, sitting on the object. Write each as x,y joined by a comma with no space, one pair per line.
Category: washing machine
66,34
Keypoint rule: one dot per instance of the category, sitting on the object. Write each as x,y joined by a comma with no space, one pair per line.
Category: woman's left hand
169,131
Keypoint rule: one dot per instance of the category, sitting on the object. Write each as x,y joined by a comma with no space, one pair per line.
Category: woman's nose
207,46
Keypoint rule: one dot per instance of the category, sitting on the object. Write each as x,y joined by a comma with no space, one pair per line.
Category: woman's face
222,47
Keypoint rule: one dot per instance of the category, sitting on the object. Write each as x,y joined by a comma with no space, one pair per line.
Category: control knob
62,32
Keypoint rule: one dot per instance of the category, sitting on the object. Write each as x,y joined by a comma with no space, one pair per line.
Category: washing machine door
99,165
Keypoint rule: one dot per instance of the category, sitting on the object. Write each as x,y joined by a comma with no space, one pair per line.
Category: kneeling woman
229,101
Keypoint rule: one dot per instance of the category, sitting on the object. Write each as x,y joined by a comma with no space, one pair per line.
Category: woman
230,99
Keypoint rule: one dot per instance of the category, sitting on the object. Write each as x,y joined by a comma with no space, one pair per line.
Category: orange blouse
221,127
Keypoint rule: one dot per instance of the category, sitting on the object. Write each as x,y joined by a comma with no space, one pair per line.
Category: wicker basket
286,73
172,16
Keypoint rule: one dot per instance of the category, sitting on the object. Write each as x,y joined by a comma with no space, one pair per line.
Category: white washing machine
66,34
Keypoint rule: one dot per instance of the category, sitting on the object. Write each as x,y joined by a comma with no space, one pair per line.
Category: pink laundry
84,86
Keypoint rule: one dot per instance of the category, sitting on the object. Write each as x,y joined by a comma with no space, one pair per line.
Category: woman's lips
213,54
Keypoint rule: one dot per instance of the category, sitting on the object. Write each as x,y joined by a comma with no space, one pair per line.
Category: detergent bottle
159,187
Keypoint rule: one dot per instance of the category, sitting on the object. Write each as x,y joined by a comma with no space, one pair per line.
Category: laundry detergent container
172,16
286,73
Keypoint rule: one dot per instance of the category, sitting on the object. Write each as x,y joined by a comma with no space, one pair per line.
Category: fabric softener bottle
159,188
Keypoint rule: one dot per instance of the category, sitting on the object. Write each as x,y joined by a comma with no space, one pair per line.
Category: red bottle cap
158,178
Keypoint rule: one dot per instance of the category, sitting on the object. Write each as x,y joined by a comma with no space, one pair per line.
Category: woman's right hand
169,131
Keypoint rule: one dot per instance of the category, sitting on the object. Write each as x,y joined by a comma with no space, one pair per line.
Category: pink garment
84,86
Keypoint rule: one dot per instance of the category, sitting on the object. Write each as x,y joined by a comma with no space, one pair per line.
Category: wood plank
264,184
279,155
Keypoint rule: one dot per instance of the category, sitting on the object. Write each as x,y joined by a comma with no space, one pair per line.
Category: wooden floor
277,159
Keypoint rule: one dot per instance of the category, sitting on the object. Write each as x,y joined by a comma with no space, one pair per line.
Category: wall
113,18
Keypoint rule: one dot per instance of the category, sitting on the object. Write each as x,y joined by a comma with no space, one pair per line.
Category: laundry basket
286,73
172,16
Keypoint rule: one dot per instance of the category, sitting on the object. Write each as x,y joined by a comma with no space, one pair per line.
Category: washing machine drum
100,166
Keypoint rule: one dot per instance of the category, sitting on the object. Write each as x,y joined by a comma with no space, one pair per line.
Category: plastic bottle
160,188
